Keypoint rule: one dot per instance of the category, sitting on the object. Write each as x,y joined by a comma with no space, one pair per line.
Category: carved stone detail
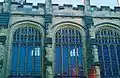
91,32
49,70
5,7
50,58
2,51
95,53
49,53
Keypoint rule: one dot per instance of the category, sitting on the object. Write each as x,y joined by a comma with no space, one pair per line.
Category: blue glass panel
99,51
113,59
105,50
80,55
30,61
107,67
37,60
72,57
65,59
14,57
37,64
102,69
118,53
107,59
80,60
22,58
57,60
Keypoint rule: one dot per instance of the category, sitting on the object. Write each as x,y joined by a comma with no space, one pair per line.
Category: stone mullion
103,60
26,52
68,42
110,51
18,54
33,57
110,59
116,51
40,50
76,53
117,59
117,55
61,52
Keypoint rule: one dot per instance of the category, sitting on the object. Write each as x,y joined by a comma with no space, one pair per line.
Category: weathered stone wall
61,16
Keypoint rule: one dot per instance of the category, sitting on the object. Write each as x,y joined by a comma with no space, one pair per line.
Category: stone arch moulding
12,29
26,21
106,24
65,24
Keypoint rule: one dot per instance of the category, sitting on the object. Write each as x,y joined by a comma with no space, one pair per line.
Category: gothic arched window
26,52
108,40
68,53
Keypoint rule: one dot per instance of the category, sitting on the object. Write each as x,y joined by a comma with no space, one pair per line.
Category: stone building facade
52,41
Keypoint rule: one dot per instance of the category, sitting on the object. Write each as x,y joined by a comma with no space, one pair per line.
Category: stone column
2,54
95,52
50,58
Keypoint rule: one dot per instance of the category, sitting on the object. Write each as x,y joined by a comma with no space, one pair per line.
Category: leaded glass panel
108,50
26,53
68,53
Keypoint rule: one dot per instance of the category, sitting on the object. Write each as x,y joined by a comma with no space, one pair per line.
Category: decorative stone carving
48,6
6,9
91,32
3,31
49,53
49,56
49,70
97,71
2,51
95,53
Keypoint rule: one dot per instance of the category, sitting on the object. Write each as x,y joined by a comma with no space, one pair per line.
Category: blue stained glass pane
80,55
118,53
57,60
80,60
107,59
72,56
14,57
65,59
105,50
22,58
30,49
37,60
100,51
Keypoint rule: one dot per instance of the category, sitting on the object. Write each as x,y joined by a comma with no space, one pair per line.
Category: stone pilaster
50,58
49,52
88,20
94,52
2,59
